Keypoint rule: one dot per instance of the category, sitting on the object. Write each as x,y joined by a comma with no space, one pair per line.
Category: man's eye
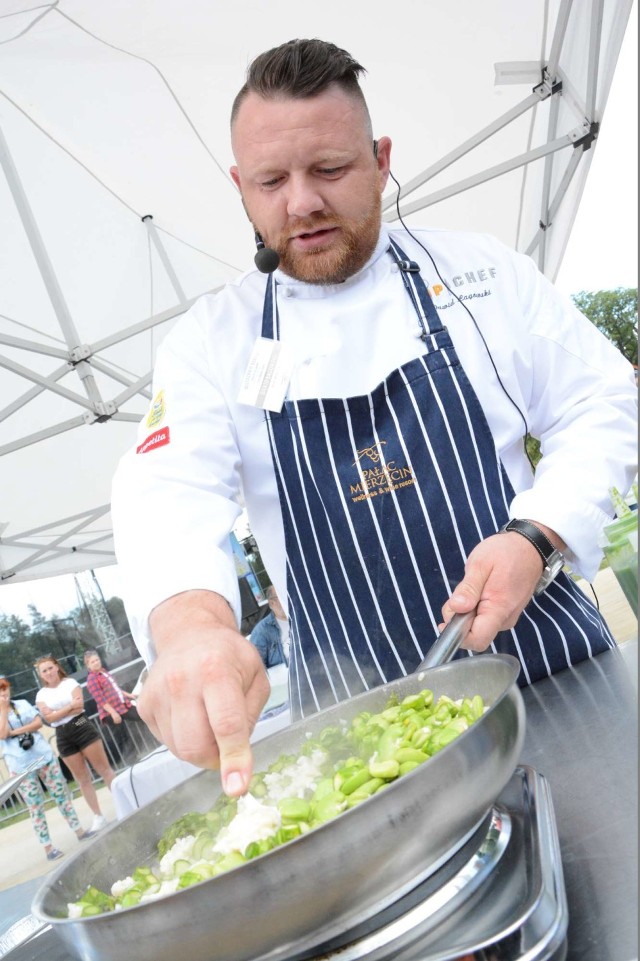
273,182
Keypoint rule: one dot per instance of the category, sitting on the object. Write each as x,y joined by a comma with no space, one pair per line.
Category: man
270,636
383,456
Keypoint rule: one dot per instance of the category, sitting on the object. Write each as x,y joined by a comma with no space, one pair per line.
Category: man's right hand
207,688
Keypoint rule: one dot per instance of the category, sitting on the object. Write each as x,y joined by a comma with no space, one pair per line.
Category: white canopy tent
117,209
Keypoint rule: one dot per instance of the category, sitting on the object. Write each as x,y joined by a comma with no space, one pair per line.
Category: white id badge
268,374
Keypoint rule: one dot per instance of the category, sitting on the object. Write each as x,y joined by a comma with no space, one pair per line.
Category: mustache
306,225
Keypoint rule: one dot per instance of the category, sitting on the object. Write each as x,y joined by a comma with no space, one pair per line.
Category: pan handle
447,643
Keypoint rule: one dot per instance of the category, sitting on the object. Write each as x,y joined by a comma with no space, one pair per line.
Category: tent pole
29,439
563,186
466,147
595,39
147,324
37,245
552,131
166,263
558,37
45,382
18,541
39,250
536,154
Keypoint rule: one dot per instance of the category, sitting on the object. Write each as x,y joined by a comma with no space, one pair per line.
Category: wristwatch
552,558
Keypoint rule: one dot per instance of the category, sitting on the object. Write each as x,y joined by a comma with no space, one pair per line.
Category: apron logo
380,479
436,290
156,411
374,453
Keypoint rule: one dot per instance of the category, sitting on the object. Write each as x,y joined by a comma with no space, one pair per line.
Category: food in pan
337,769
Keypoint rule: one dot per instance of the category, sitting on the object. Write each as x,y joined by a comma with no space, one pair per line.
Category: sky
53,596
586,266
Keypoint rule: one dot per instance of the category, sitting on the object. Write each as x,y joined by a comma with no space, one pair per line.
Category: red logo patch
158,439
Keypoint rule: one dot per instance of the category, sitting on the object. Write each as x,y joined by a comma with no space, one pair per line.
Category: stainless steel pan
324,882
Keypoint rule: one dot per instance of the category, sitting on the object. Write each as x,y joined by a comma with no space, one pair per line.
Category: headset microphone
266,259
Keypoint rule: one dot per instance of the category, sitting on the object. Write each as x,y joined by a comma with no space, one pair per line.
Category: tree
65,637
615,314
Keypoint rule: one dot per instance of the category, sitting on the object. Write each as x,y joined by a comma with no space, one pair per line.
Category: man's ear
235,176
382,153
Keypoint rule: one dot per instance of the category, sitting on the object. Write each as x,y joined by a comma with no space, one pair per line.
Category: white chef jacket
201,455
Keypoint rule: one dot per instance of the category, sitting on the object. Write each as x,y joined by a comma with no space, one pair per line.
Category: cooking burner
501,897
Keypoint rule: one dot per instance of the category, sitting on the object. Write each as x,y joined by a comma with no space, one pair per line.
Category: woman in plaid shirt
116,708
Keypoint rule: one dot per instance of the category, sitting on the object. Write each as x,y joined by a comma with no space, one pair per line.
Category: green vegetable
188,824
357,762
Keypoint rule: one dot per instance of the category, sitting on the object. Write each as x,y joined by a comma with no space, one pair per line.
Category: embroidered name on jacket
442,298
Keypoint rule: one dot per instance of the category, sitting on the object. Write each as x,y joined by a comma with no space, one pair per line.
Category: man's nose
303,198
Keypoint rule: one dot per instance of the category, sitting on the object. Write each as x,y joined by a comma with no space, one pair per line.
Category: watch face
551,571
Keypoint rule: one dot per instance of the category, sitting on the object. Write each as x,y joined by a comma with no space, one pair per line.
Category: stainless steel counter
582,734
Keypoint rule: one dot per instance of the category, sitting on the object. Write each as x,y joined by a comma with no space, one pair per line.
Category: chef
366,394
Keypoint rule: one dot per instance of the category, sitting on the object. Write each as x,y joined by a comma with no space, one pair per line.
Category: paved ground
22,858
22,863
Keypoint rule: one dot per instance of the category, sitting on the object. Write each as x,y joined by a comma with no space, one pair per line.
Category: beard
343,259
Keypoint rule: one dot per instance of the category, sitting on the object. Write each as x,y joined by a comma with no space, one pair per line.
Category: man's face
310,182
276,607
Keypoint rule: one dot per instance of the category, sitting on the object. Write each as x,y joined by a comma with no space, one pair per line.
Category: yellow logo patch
156,411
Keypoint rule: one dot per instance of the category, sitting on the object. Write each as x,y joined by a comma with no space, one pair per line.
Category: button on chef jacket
201,455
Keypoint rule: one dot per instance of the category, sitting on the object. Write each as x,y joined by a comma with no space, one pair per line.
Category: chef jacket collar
299,288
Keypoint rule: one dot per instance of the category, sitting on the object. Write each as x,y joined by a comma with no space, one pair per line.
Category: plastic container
620,545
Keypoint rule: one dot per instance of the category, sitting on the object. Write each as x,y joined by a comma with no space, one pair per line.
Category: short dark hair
299,69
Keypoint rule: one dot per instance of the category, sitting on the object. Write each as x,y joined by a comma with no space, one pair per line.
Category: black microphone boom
266,259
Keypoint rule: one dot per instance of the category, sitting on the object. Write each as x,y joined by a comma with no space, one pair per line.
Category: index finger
227,716
233,708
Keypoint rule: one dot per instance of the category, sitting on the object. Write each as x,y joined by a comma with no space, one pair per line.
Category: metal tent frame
563,127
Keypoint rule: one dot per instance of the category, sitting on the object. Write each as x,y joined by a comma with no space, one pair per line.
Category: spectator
116,708
271,635
60,703
17,719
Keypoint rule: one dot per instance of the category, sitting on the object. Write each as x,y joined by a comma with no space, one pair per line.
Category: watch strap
535,536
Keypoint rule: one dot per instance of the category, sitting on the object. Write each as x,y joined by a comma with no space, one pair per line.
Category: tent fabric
117,208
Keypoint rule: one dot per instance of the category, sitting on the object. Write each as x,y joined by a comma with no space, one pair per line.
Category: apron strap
417,290
270,320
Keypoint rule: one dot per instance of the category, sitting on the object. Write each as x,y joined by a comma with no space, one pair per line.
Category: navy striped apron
383,498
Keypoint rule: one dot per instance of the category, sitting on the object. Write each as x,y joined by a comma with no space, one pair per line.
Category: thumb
466,596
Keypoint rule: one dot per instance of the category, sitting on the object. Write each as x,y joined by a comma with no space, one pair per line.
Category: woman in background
116,708
60,702
18,718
